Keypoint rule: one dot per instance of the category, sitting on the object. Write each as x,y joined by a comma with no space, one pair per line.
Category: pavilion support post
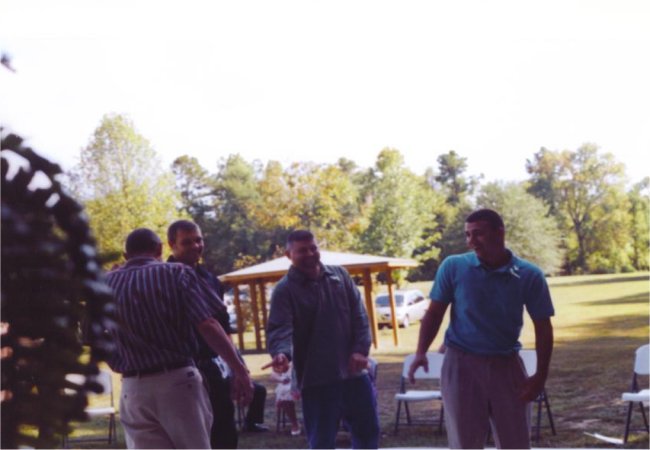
265,313
240,318
370,305
256,316
391,297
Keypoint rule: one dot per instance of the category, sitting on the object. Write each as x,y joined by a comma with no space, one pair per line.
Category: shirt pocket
338,295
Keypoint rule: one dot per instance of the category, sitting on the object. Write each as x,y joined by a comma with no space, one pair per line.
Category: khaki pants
166,410
481,390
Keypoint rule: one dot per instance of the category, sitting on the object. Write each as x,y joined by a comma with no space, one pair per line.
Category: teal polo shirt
487,305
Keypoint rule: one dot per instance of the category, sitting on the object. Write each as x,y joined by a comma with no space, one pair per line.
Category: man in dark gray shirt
318,321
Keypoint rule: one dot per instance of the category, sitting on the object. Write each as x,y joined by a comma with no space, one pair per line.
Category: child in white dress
285,398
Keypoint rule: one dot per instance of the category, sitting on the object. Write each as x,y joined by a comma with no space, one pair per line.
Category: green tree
195,186
639,198
451,167
233,235
453,235
530,232
459,188
545,172
435,211
249,210
403,213
120,180
586,189
326,203
277,206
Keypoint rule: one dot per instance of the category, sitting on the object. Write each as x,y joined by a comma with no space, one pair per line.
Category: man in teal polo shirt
483,379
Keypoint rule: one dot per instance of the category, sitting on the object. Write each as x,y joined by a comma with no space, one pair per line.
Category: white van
410,306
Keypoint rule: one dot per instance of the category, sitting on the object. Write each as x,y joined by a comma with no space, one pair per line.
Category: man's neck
310,273
142,256
175,259
498,260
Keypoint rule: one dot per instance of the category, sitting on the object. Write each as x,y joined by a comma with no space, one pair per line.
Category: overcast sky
316,81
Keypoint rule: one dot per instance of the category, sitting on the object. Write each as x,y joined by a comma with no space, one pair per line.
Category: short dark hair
183,225
142,240
299,235
488,215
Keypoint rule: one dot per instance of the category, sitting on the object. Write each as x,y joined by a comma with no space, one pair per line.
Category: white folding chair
530,362
105,379
642,397
420,395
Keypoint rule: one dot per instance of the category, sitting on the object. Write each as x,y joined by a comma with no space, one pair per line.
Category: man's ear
126,255
287,253
159,250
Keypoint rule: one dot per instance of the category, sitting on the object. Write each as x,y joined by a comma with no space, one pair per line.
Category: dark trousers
352,400
224,429
255,412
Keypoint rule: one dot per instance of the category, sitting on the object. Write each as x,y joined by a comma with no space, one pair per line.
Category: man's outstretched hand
280,363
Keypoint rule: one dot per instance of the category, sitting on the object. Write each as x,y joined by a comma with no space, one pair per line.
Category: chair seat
641,396
416,396
100,411
105,379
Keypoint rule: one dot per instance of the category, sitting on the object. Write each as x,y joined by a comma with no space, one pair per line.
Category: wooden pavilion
256,277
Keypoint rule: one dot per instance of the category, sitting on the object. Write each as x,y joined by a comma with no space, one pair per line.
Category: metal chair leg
110,429
627,422
399,408
548,411
645,418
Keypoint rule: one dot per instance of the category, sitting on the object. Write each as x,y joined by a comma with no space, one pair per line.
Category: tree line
573,215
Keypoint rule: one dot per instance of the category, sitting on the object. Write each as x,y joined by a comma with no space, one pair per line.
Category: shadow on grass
628,299
608,280
588,376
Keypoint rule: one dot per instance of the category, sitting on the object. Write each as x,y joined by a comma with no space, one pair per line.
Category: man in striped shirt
159,307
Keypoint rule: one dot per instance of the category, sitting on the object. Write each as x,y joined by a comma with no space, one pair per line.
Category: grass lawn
600,321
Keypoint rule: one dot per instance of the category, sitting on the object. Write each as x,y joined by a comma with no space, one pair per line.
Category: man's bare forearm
543,345
430,325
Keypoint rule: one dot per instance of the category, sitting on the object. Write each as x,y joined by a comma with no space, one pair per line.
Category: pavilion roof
354,263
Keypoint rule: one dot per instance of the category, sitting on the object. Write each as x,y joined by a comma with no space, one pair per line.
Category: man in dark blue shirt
186,242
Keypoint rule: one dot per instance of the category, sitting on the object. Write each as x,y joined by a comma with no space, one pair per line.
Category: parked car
410,306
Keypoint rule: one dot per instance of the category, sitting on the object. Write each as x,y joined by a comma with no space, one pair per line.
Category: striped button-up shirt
158,307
